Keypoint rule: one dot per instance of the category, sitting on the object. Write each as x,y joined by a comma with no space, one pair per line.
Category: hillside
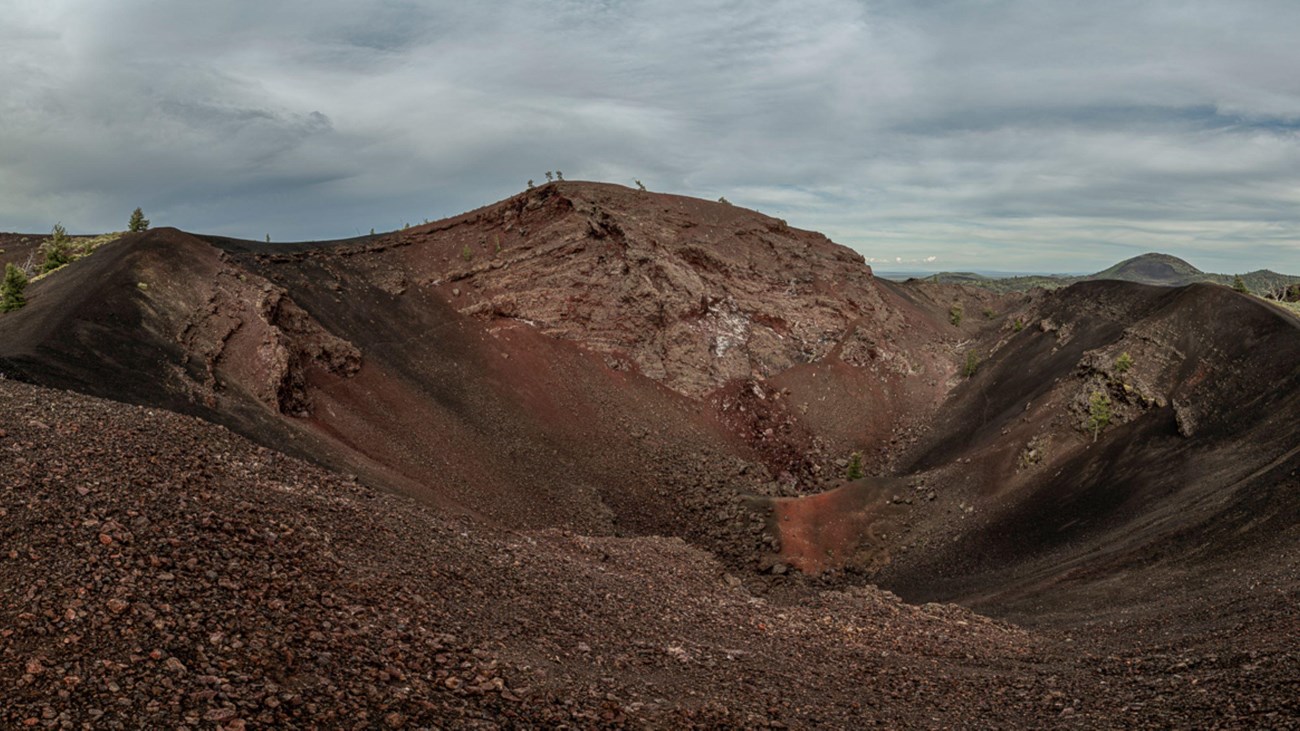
1156,269
627,418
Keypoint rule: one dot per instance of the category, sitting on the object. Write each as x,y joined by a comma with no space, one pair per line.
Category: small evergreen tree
559,175
550,176
1098,413
138,222
972,364
57,249
955,313
11,290
1123,362
854,471
640,186
530,183
1239,284
467,253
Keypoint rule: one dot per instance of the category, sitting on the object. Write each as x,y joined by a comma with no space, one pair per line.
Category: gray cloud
1010,135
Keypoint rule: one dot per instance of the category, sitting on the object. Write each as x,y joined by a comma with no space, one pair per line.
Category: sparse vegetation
1239,284
988,313
1123,362
972,364
1098,413
1032,454
955,314
1018,325
854,470
138,222
11,290
466,253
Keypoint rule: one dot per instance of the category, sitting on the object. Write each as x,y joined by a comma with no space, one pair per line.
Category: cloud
1015,134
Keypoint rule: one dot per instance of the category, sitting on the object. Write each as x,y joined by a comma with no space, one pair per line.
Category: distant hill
1161,269
1153,268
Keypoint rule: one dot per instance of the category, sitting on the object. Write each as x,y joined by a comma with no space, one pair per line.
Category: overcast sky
1031,136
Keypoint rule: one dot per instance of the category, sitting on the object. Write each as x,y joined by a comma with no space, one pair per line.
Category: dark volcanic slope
1197,463
160,572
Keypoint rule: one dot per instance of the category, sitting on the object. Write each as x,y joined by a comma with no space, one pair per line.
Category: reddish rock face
690,293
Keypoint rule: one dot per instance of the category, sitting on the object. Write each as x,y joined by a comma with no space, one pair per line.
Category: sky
928,135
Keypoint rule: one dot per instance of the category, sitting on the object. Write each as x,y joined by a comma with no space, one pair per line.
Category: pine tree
1098,413
11,290
1239,284
854,471
57,249
138,222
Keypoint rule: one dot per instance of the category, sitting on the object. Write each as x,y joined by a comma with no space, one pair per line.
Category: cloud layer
996,135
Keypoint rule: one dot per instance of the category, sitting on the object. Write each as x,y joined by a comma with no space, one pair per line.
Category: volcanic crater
600,457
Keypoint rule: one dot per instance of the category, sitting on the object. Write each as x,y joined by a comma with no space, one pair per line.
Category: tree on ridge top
138,222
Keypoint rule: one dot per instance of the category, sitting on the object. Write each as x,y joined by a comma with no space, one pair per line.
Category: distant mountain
1154,268
1161,269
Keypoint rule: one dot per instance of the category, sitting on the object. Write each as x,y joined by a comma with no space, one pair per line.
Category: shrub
1098,413
988,313
57,249
854,471
467,253
138,222
1239,284
955,313
1019,325
11,289
972,364
1123,362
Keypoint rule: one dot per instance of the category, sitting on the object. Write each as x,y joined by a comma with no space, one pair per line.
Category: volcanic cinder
580,458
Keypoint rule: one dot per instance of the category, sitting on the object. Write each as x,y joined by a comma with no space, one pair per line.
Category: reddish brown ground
622,366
